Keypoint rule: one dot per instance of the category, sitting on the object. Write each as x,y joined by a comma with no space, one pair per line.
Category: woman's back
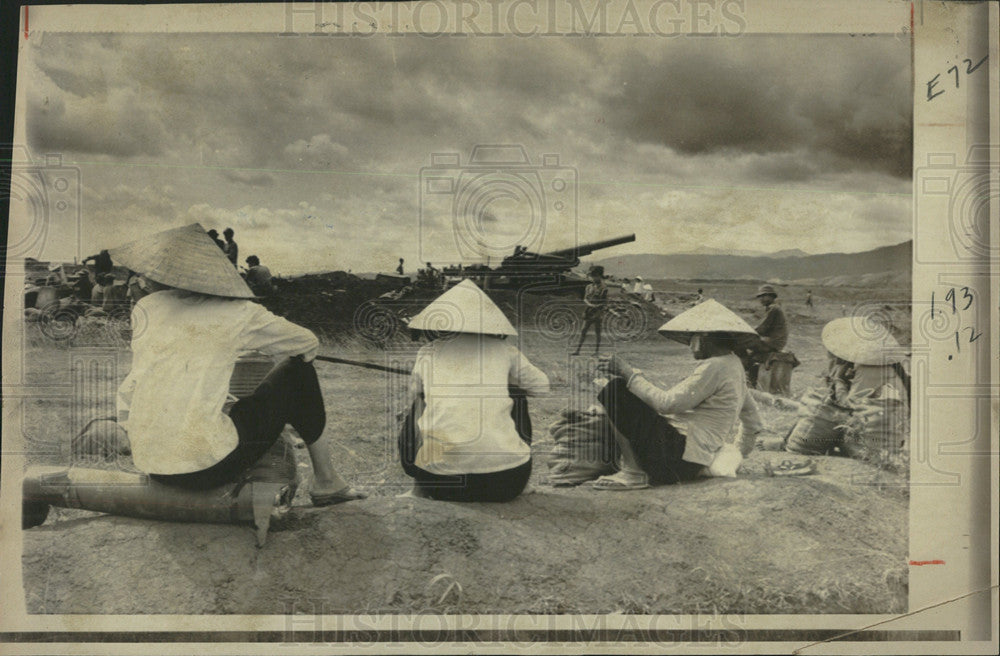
466,425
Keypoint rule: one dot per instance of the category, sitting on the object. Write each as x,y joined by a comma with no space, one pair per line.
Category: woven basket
820,426
248,373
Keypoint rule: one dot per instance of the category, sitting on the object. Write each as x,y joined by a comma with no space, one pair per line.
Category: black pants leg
290,394
658,446
589,322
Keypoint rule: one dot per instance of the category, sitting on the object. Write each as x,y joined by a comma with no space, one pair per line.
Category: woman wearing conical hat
865,361
670,436
461,442
187,335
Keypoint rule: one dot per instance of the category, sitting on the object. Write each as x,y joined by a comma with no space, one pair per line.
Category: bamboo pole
366,365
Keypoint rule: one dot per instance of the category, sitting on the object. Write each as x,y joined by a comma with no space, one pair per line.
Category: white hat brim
709,316
862,340
464,308
185,258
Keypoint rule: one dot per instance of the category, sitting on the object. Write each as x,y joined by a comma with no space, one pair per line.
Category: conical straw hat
463,309
862,340
707,317
186,258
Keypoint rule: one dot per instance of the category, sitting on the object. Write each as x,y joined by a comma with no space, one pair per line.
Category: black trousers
290,394
498,486
658,445
591,319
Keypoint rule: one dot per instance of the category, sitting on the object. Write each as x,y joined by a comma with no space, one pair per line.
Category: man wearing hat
195,322
670,436
772,333
595,298
465,439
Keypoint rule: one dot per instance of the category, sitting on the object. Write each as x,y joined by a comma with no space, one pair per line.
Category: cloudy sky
318,152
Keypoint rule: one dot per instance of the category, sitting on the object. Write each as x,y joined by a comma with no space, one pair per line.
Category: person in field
771,334
468,434
595,298
671,436
230,248
863,363
196,321
214,234
259,277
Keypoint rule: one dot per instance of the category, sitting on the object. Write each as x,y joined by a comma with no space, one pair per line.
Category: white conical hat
862,340
186,258
463,309
707,317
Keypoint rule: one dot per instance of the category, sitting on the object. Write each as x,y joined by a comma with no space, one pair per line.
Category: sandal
333,498
620,485
789,468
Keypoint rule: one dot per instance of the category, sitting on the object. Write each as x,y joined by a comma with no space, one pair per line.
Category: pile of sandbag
585,447
875,430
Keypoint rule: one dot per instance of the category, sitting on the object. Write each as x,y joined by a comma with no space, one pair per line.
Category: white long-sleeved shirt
706,406
184,348
466,425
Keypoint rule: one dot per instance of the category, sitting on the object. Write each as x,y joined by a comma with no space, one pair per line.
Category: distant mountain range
791,252
782,266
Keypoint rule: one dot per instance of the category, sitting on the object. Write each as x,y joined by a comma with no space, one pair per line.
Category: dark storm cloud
120,128
311,139
849,97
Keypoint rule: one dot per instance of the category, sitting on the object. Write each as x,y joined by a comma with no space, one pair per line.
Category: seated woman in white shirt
187,335
670,436
461,441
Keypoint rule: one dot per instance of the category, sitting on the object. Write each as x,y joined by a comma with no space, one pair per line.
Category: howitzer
586,249
525,267
565,258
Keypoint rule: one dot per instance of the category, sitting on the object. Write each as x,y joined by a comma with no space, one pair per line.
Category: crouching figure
671,436
468,434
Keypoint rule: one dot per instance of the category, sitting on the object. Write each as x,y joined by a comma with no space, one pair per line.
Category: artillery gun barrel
587,249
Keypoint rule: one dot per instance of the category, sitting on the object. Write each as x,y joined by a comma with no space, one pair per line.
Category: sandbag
585,447
265,490
820,426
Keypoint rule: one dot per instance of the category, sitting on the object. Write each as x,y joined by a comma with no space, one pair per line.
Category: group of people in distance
258,276
466,431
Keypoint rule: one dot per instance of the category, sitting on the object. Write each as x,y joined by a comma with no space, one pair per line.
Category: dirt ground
833,542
